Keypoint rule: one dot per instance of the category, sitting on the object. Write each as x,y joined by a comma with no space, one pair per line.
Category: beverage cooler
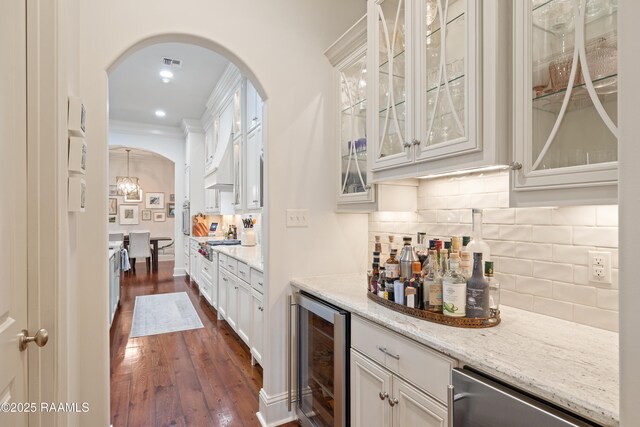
319,348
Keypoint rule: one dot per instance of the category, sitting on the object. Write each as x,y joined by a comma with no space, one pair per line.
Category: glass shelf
606,87
437,30
360,156
386,62
545,8
359,103
397,104
432,89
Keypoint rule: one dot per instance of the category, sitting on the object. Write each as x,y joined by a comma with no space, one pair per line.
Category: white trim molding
273,410
136,128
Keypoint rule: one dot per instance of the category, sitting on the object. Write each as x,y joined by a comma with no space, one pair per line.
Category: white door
13,230
254,151
370,390
258,325
244,312
232,304
414,408
224,286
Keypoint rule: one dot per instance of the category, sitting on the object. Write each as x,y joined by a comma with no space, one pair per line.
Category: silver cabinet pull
384,350
415,142
450,403
383,395
289,350
515,166
406,144
393,402
41,338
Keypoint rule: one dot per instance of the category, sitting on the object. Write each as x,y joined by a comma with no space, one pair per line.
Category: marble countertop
202,239
571,365
252,255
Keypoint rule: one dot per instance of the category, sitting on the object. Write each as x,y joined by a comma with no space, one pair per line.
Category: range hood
221,176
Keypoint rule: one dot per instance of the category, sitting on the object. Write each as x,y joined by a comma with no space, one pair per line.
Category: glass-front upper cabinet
389,60
348,55
566,100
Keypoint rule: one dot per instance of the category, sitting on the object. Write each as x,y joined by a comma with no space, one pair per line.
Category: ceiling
136,89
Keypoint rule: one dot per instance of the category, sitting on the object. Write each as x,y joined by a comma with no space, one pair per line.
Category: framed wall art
113,206
154,201
171,210
113,190
159,217
146,215
135,197
112,219
129,215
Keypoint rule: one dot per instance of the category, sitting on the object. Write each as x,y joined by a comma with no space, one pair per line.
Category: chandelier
128,185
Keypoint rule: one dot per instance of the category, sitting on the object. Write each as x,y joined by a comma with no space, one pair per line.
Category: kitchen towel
163,313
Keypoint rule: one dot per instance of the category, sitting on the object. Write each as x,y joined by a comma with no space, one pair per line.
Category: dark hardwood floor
200,377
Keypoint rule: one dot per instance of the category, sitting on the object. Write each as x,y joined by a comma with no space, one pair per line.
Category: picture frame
77,155
171,210
159,217
134,197
120,178
146,215
77,194
172,198
129,215
154,201
113,219
113,206
113,190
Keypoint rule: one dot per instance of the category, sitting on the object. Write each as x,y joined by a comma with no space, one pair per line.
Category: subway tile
490,231
459,202
448,215
458,230
466,216
499,216
469,186
533,216
574,215
484,200
530,285
501,248
428,215
552,234
553,271
494,184
434,203
577,255
607,216
607,299
520,267
517,300
596,236
580,275
585,295
537,251
503,199
554,308
596,317
434,230
614,256
506,281
522,233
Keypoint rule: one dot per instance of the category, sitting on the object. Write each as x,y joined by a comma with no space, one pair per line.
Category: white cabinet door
232,303
211,142
237,173
254,107
370,390
253,187
244,311
187,173
193,264
413,407
257,333
223,289
214,281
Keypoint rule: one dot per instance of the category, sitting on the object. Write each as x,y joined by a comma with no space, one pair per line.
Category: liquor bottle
375,275
465,242
416,282
447,246
421,247
381,281
477,290
398,291
407,258
432,283
494,289
477,244
466,265
410,297
454,290
456,244
378,245
392,266
376,259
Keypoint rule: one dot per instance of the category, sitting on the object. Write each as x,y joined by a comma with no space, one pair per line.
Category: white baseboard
179,272
273,410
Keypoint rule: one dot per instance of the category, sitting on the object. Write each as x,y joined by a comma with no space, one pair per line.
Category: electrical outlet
600,267
297,218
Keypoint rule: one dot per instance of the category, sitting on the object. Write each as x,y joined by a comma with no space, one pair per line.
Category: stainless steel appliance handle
450,404
290,305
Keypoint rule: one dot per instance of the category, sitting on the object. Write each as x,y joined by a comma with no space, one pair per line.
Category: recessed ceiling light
160,113
166,74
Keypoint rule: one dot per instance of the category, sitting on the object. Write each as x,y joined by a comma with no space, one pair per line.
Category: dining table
154,249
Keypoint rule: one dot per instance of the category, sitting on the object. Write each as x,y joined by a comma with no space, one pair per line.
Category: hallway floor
200,377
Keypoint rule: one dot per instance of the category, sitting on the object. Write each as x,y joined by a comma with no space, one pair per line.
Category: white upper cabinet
211,142
438,86
254,168
254,107
565,109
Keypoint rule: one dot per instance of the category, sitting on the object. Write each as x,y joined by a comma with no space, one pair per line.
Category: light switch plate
297,218
600,267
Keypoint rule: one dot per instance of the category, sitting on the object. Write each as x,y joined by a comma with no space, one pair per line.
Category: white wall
279,44
629,155
169,144
540,254
156,175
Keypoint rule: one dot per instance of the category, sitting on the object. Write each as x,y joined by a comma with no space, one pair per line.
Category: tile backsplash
540,254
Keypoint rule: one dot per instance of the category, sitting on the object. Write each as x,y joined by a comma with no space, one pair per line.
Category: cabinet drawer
194,245
231,265
222,260
206,270
243,271
425,368
257,281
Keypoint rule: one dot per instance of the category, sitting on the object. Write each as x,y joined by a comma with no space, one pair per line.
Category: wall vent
170,62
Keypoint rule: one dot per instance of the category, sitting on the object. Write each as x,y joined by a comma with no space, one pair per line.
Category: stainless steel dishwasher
476,400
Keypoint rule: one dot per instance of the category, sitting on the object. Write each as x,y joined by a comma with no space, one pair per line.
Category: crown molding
354,38
136,128
191,126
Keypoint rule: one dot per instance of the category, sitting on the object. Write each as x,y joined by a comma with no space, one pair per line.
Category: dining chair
140,247
116,237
